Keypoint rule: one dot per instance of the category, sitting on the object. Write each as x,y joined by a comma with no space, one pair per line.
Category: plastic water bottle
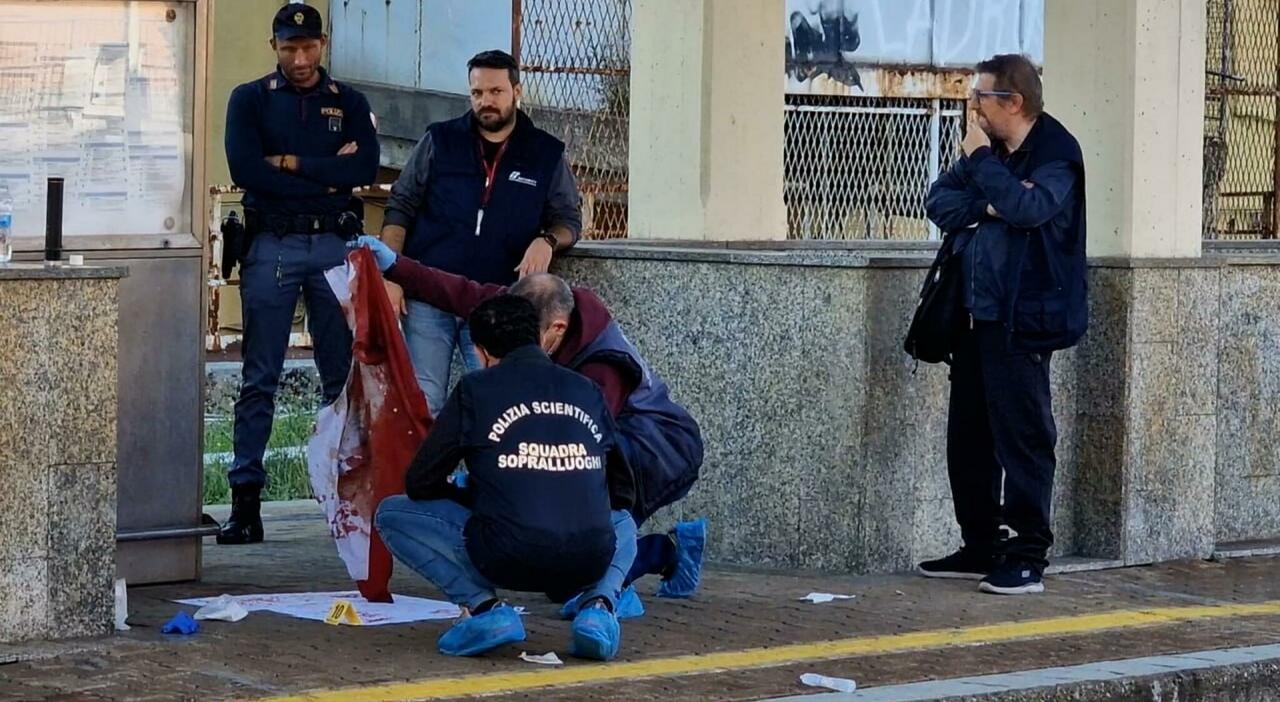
6,224
837,684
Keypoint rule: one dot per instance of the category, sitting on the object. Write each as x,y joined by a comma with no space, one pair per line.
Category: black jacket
1026,268
544,469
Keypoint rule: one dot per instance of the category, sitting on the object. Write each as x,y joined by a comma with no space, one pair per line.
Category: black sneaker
1013,578
964,564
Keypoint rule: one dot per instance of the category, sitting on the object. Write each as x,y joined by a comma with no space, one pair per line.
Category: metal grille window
1242,133
575,64
859,168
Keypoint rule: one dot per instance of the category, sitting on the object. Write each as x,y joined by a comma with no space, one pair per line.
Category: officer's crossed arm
246,158
356,163
561,222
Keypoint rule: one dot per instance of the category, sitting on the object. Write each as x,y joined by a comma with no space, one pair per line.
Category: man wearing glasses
1013,210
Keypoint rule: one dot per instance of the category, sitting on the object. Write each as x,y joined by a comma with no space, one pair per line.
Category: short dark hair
550,295
1015,73
504,323
496,58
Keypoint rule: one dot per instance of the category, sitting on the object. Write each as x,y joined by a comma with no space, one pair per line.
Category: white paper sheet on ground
222,608
542,658
316,605
823,597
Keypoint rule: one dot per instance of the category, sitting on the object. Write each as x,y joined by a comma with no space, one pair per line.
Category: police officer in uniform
546,504
298,143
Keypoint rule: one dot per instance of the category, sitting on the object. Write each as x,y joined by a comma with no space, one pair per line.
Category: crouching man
547,498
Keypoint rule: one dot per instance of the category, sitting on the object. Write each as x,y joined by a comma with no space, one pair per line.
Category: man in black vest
547,498
298,142
1014,213
486,195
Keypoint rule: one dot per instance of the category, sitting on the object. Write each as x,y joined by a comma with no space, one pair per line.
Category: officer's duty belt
344,223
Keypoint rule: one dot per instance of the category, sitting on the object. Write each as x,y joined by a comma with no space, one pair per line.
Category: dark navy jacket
660,438
545,471
444,202
270,117
1026,268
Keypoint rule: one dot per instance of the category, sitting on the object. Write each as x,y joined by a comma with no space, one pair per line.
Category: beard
494,120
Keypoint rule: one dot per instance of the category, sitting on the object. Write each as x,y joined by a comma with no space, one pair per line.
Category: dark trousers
1000,421
655,555
277,270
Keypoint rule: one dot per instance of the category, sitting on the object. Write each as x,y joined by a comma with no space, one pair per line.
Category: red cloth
365,442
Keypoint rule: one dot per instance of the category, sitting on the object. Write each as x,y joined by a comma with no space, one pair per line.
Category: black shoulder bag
940,315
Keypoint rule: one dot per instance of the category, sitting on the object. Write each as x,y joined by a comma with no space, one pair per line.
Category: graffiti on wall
903,48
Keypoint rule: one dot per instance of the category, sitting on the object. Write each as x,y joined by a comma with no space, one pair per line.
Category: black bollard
53,222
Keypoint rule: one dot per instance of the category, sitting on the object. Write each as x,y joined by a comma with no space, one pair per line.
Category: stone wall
1247,491
57,451
825,443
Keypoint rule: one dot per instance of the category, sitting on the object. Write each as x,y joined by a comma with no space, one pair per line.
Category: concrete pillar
1128,79
706,120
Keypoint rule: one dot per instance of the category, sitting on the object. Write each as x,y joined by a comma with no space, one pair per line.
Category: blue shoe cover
596,634
691,540
483,632
629,605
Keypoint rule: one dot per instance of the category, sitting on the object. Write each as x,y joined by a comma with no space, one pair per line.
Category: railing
859,168
575,64
1242,128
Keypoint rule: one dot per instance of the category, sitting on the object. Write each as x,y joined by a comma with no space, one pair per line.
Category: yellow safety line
498,683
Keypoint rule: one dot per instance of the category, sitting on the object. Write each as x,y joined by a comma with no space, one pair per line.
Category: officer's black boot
245,524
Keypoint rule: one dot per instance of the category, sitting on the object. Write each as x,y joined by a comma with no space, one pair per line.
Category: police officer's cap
297,21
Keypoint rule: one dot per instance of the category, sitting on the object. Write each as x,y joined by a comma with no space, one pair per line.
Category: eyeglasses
977,94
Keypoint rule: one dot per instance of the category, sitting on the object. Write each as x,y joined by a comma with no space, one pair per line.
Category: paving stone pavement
268,655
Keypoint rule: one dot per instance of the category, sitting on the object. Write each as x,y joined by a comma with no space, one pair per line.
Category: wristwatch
550,239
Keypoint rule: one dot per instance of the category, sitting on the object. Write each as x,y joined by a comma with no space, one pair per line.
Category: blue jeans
276,270
427,536
432,335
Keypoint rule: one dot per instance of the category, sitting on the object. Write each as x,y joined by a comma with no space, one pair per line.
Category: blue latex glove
182,623
381,252
459,478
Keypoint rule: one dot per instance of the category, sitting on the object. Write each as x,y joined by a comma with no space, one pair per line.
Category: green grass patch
287,477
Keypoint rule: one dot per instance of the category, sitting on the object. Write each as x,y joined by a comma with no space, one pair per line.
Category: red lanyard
490,173
490,170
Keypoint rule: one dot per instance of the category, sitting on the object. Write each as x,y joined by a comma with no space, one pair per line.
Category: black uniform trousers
1000,423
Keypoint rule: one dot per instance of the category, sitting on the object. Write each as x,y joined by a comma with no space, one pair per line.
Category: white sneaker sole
1028,589
950,574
